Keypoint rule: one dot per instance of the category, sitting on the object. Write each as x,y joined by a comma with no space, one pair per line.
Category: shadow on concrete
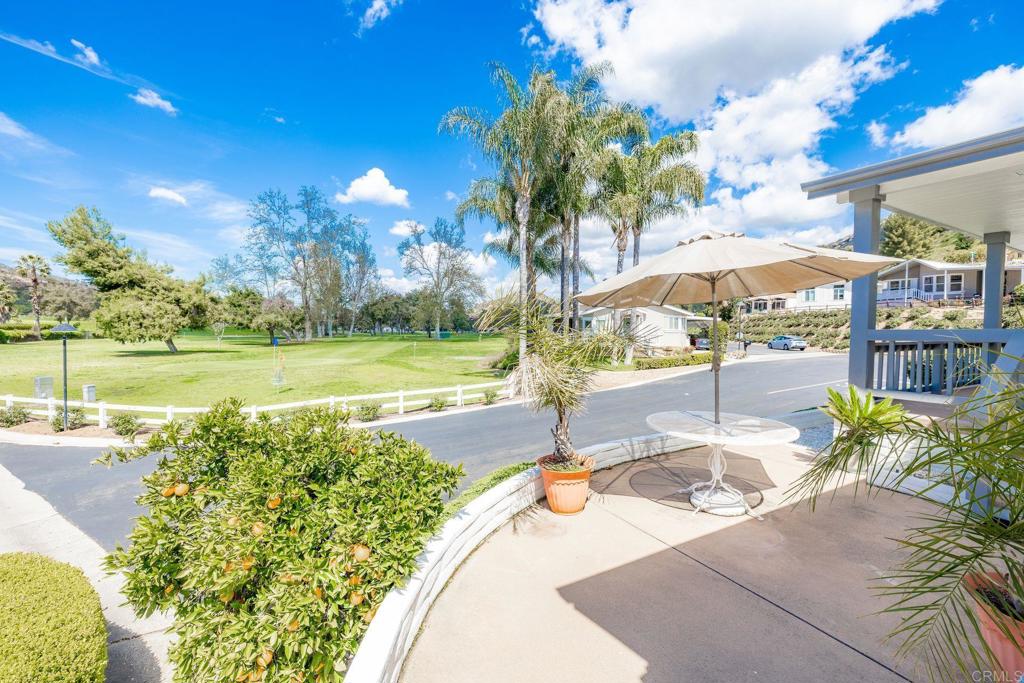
786,599
128,658
659,478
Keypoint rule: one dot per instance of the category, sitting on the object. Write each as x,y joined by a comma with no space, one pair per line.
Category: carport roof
975,187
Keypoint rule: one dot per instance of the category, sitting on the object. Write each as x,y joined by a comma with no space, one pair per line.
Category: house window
808,294
897,285
956,283
675,323
838,292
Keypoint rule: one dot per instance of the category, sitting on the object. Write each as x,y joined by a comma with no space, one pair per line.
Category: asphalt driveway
101,502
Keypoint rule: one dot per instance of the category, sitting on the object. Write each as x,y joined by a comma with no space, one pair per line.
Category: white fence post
344,403
103,414
459,401
401,401
51,411
252,413
9,401
332,403
170,413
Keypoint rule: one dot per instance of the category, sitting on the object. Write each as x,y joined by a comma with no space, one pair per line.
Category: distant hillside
943,245
21,286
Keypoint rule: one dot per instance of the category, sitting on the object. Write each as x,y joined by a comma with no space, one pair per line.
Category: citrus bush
13,416
274,541
52,628
368,412
76,419
125,424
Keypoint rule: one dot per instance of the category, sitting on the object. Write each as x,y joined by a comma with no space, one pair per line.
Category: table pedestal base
715,496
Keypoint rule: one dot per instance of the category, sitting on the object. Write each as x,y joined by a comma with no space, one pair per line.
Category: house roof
975,187
601,310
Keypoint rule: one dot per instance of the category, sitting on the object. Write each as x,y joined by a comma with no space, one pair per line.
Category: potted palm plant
555,374
959,590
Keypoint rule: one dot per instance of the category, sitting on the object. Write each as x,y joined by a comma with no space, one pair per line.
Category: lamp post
64,329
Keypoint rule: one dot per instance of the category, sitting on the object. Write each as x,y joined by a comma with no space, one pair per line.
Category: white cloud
150,98
404,228
12,129
86,55
398,283
990,103
179,252
878,133
678,57
377,11
450,196
375,188
232,234
279,119
167,193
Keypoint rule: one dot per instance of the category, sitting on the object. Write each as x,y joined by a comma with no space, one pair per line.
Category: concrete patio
638,589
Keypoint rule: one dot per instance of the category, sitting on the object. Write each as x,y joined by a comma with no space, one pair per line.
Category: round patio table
716,496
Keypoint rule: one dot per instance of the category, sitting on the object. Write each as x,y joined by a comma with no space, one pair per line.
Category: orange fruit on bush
369,614
265,658
181,489
360,552
293,625
319,593
272,503
247,562
354,580
355,599
233,521
258,528
225,596
167,492
169,589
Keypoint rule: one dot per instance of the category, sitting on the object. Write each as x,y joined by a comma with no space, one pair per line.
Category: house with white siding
661,326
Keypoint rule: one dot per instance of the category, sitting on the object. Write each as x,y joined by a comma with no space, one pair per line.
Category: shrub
52,628
368,412
490,397
13,416
672,361
508,361
483,484
274,542
437,403
3,337
125,424
76,419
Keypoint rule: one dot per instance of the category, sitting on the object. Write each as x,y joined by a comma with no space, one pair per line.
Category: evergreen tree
906,237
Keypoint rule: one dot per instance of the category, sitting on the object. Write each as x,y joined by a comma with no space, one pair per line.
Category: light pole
64,329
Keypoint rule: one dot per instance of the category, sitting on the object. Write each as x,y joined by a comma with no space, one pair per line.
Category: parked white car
787,342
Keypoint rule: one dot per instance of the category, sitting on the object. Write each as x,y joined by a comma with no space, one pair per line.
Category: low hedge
52,628
672,361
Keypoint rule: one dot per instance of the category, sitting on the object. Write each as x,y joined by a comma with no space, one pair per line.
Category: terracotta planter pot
1006,651
566,491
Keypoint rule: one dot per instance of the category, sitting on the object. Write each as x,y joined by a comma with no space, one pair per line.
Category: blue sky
171,117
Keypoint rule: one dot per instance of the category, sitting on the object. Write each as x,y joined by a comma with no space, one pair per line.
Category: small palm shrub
368,412
274,541
490,397
972,461
76,419
125,424
52,628
437,403
13,416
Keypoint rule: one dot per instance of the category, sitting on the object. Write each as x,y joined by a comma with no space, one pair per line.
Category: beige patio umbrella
716,265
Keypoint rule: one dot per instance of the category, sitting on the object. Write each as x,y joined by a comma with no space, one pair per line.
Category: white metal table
716,496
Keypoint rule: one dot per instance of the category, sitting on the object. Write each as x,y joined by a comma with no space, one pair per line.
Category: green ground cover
203,371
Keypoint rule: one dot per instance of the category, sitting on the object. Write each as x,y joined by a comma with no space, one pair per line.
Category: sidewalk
636,588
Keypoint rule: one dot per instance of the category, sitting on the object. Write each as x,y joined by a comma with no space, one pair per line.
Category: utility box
89,393
44,387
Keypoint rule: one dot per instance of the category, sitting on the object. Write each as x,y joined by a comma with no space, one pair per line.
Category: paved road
101,501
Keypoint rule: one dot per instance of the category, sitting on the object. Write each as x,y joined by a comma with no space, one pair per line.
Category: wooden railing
396,402
932,361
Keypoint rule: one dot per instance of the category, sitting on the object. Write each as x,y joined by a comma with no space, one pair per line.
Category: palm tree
519,142
615,201
589,124
35,269
662,183
7,299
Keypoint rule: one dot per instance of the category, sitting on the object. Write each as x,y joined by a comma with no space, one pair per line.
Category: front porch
975,187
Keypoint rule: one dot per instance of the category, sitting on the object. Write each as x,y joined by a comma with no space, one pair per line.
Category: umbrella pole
715,360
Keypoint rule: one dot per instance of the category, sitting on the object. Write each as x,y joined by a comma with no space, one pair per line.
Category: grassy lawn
147,374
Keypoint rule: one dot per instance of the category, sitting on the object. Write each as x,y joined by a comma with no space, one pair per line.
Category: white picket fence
397,402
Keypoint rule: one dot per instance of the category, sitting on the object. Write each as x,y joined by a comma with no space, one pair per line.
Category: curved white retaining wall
392,632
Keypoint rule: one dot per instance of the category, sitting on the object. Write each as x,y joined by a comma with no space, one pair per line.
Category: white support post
331,403
9,401
459,400
401,401
253,413
170,413
344,403
51,409
992,287
102,405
